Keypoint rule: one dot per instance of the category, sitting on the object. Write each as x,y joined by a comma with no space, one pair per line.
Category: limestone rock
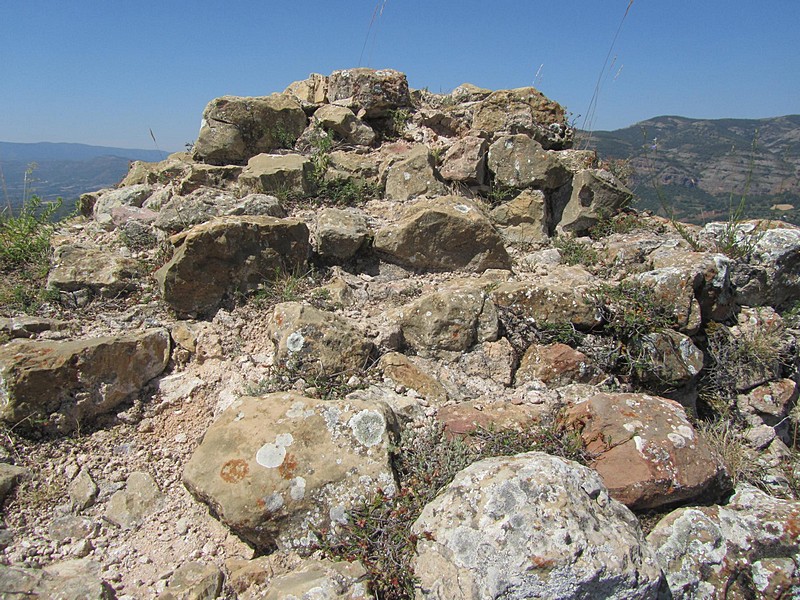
340,234
670,358
70,580
531,526
229,254
60,384
646,450
451,320
375,92
465,161
131,196
323,579
316,342
771,401
745,549
9,476
524,110
492,360
103,272
404,371
560,297
676,287
27,327
595,194
129,506
555,365
234,128
310,92
447,233
526,218
413,176
345,124
519,161
171,168
194,581
82,490
275,468
201,205
269,173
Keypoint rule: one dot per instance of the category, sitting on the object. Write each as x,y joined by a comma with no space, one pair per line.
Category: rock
323,579
576,160
404,371
596,194
70,580
132,196
9,476
524,110
465,161
676,287
103,272
27,327
168,170
70,526
444,234
274,173
646,450
261,205
309,92
340,234
194,581
82,490
314,342
128,507
199,175
200,206
560,297
555,365
229,254
376,93
73,381
347,164
526,218
345,124
412,176
276,468
234,129
471,417
450,320
745,549
531,526
520,162
771,402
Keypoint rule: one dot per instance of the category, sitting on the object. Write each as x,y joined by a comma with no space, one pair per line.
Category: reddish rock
556,365
646,451
467,417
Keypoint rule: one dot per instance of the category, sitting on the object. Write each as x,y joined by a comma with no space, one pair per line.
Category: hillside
63,170
699,167
365,342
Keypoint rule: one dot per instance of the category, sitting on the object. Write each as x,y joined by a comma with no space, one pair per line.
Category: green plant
574,252
399,118
283,137
499,193
25,238
609,225
347,191
558,332
284,285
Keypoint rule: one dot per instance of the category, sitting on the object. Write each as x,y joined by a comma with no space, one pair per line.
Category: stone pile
447,227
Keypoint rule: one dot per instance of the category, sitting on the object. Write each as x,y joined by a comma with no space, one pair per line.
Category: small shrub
561,332
347,191
285,286
499,193
399,118
607,225
25,238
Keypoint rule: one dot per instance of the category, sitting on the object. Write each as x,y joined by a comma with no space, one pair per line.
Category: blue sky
105,72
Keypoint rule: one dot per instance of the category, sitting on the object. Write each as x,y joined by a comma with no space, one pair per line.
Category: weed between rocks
378,532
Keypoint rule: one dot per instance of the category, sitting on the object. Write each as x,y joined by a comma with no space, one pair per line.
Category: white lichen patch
297,488
685,431
298,411
295,341
368,427
633,426
273,502
271,455
462,208
284,439
677,440
640,443
338,514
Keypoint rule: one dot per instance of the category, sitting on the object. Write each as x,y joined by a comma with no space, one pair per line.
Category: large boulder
275,469
555,365
133,196
309,92
524,110
277,173
229,254
747,548
646,450
519,161
373,92
47,384
531,526
596,194
315,342
236,128
465,161
449,320
340,234
102,272
413,176
444,234
526,218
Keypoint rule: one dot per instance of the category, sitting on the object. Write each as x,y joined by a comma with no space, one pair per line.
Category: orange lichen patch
234,471
793,525
542,563
288,466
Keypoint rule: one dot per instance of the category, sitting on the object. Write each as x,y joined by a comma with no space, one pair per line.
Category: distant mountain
700,168
63,170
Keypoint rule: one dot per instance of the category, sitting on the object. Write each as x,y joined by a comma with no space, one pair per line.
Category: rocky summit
366,341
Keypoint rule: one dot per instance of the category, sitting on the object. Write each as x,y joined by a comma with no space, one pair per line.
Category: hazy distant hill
63,170
701,166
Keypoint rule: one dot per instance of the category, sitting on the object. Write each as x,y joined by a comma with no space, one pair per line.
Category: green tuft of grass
574,252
